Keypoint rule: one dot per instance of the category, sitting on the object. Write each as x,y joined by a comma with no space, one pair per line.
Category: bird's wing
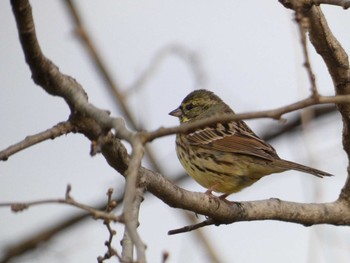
230,140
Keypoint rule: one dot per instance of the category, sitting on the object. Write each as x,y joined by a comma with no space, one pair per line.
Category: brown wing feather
244,145
230,141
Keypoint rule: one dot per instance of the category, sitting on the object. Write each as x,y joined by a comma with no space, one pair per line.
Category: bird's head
197,105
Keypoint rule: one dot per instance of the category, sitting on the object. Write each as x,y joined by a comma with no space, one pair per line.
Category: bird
228,156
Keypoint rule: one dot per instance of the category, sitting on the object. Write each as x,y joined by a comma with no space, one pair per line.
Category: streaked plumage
225,157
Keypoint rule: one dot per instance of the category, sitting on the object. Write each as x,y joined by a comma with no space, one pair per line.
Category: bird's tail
301,168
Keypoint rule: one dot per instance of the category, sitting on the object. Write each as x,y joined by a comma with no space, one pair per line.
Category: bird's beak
176,113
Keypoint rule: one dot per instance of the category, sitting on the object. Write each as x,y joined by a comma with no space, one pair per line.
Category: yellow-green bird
228,156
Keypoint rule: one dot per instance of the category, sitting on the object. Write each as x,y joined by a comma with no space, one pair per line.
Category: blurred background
247,52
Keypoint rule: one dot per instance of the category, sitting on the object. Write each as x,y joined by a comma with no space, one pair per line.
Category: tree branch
275,131
336,59
52,133
132,200
303,25
94,212
336,213
291,3
343,3
102,69
190,57
28,244
274,114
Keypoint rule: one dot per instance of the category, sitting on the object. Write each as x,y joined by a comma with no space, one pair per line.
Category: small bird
228,156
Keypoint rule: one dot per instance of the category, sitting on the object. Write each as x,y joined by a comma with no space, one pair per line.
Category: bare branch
274,114
165,256
303,25
203,240
52,133
95,213
132,199
111,204
41,236
110,250
343,3
291,3
47,75
184,229
189,56
127,241
128,248
44,235
336,213
110,84
294,123
9,253
337,62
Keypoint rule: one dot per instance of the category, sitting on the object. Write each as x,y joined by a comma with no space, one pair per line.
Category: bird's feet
222,197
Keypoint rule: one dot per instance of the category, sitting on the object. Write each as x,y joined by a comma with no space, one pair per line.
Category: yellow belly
221,171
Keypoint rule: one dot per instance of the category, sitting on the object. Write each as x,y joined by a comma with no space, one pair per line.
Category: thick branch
47,75
337,63
336,213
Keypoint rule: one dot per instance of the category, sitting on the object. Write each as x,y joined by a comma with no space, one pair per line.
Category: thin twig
165,256
52,133
111,205
10,252
40,236
274,114
184,229
206,243
68,200
272,132
303,25
44,235
110,84
190,57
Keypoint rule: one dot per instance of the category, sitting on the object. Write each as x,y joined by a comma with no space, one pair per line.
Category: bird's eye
189,106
